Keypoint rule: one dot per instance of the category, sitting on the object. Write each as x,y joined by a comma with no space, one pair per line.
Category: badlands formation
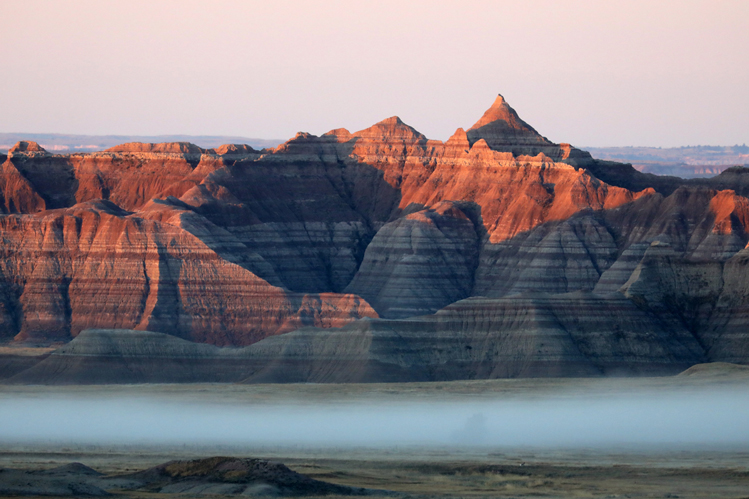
378,255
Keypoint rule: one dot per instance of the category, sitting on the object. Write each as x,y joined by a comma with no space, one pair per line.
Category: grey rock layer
565,265
476,338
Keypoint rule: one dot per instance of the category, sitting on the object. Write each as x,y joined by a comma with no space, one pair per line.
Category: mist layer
696,419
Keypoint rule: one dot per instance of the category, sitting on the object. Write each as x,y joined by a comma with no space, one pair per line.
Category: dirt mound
228,475
71,480
74,468
214,475
717,369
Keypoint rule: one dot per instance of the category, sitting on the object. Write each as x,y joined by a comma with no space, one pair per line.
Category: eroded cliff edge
230,246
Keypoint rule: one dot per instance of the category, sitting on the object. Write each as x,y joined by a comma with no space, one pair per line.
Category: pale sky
592,73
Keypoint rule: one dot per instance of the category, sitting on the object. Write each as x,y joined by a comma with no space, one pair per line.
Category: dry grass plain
449,472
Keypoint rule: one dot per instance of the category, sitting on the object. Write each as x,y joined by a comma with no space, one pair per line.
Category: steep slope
368,187
231,245
94,265
503,130
420,262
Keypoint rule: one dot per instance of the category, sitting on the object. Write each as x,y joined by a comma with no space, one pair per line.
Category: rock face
94,265
231,245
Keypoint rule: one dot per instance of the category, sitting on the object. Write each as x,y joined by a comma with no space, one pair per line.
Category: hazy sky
592,73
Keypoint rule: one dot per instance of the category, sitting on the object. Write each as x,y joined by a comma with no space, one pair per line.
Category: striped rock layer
584,266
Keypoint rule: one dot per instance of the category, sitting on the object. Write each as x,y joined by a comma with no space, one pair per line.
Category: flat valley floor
461,470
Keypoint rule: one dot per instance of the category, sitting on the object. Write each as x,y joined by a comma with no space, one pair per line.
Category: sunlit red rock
232,245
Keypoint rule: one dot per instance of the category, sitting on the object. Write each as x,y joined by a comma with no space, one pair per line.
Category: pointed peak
500,110
392,121
480,144
459,137
500,101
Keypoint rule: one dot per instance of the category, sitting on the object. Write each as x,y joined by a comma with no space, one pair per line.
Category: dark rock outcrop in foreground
234,476
221,476
495,253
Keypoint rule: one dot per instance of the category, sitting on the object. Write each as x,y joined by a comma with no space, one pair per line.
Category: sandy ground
451,473
25,351
433,472
710,376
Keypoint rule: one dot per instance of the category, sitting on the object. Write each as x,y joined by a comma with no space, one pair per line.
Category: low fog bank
699,419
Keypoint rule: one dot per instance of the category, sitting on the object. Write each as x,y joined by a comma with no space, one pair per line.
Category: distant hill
684,162
67,143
